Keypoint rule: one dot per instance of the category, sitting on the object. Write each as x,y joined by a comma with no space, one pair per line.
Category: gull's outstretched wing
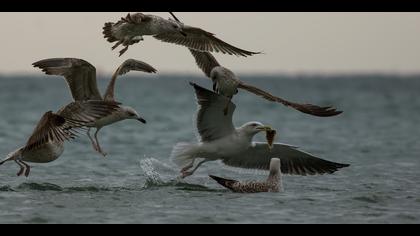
127,66
305,108
51,127
212,124
203,41
79,74
205,61
293,161
85,112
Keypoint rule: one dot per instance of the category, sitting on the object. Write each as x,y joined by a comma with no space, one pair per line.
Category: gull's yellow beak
264,128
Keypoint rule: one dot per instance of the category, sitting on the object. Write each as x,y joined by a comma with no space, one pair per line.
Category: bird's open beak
264,128
141,120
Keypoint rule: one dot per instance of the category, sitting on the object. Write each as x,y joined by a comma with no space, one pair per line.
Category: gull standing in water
81,79
272,184
46,143
131,29
220,140
226,83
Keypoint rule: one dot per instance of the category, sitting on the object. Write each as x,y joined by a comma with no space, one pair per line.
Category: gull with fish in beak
220,140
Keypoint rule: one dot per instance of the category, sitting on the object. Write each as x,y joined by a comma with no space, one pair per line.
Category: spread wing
305,108
212,124
79,74
51,127
293,161
126,67
88,111
202,40
205,61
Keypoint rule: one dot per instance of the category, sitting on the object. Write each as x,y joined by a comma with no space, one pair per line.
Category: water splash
153,178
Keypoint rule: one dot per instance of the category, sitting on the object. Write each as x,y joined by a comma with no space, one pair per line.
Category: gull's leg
123,50
117,44
94,145
97,143
189,173
27,168
22,168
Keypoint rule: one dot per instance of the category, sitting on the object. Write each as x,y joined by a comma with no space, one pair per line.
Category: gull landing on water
81,79
131,29
272,184
226,83
220,140
46,143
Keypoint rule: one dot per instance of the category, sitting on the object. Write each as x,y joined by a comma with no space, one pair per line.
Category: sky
292,43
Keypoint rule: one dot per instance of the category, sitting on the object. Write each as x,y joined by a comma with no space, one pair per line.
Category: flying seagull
220,140
131,29
225,82
46,143
81,79
272,184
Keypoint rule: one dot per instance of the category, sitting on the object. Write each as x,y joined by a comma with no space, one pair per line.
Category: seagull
272,184
81,79
46,143
220,140
226,83
131,29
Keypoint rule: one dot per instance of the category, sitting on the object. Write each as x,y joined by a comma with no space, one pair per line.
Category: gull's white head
253,128
131,114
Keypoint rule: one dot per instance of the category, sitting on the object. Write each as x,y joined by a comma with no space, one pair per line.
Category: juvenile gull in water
225,82
220,140
131,29
46,143
81,79
272,184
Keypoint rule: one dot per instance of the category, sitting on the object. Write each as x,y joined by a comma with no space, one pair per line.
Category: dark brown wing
305,108
203,41
80,76
51,127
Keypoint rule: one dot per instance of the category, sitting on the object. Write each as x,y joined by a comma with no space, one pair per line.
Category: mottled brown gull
46,143
272,184
131,29
81,79
225,82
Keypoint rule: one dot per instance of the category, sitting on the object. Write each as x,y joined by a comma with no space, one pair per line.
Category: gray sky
293,42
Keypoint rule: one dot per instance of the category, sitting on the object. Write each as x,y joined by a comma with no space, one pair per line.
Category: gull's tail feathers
12,156
183,153
227,183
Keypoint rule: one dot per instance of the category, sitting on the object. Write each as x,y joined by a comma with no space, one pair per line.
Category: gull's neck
248,137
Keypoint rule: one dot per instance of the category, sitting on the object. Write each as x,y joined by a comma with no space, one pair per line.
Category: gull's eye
254,125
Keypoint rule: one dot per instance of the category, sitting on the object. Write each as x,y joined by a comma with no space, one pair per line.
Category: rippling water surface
378,134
